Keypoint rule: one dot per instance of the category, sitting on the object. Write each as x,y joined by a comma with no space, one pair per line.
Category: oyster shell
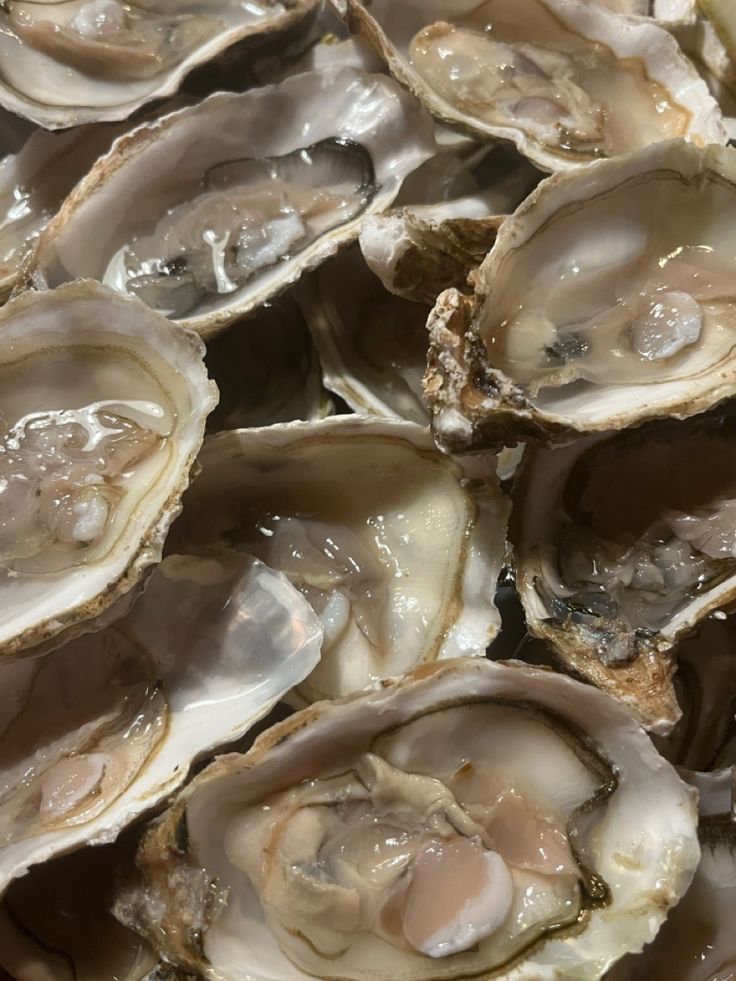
267,370
396,546
103,406
584,82
621,549
67,62
103,729
268,184
607,300
404,827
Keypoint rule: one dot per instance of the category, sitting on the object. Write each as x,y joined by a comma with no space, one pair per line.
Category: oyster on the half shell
102,412
623,544
98,732
566,80
472,819
212,210
67,62
609,298
396,546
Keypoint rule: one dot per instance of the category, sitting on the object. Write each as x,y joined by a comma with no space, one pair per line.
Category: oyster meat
472,819
103,406
566,80
253,205
67,62
608,299
396,547
623,544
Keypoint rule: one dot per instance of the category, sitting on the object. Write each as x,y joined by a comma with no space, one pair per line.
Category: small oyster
67,62
268,184
607,300
102,411
471,819
267,370
623,544
566,80
101,730
396,546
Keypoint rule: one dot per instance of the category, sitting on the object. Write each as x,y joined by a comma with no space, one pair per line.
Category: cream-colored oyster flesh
78,61
471,819
396,546
268,184
103,406
623,543
607,300
101,730
566,80
267,370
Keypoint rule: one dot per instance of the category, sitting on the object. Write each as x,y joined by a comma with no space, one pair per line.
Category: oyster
470,819
67,62
396,546
267,370
566,80
623,544
101,730
103,406
608,299
268,184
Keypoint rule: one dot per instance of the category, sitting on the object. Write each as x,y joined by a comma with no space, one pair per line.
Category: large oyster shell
103,406
68,62
623,544
268,184
397,547
430,770
607,300
101,730
584,82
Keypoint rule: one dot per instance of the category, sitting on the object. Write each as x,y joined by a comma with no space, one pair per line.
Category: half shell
607,300
103,406
397,547
566,80
424,773
623,544
68,62
100,731
268,184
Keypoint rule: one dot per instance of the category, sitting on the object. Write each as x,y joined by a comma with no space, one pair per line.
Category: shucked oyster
608,299
470,820
623,543
66,62
214,209
396,547
566,80
99,731
102,411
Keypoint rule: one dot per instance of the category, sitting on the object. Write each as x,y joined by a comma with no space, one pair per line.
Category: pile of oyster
367,490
